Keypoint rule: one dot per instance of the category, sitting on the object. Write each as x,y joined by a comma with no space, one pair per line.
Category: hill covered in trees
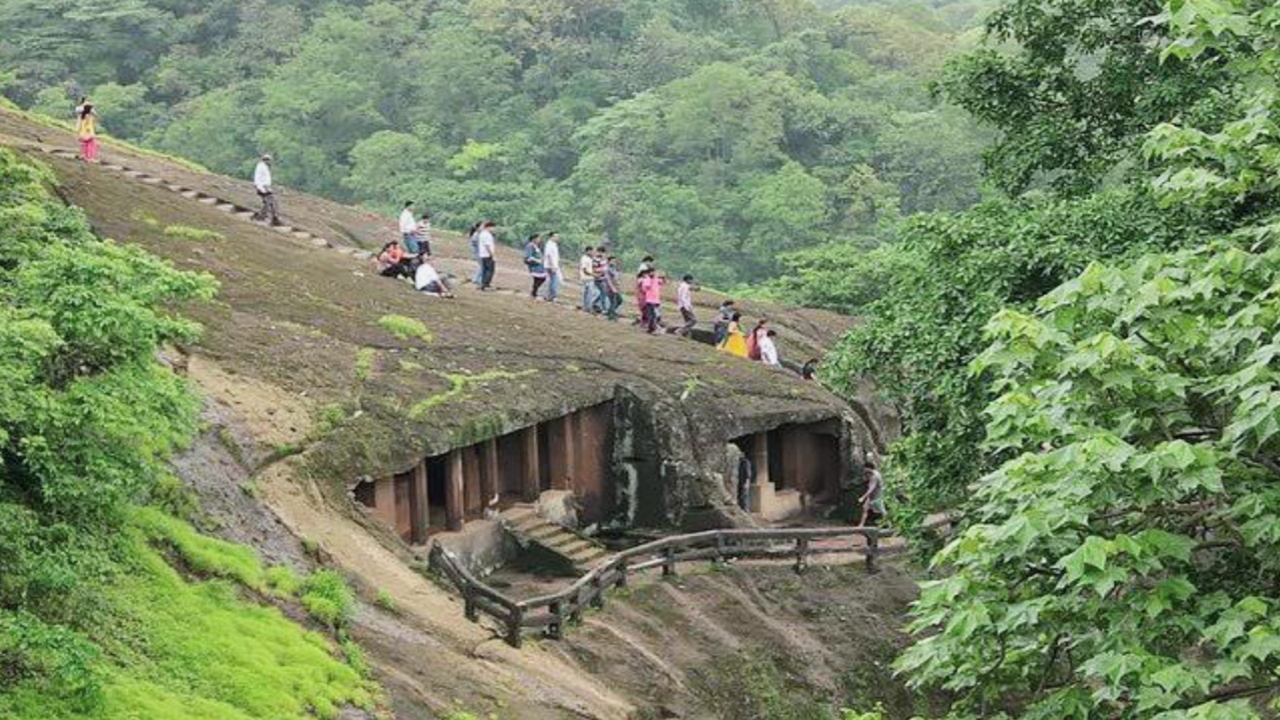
717,134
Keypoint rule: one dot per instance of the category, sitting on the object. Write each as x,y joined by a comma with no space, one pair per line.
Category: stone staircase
530,528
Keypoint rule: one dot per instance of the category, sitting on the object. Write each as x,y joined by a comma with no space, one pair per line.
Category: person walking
409,229
651,288
486,248
872,501
684,302
587,278
724,315
474,238
613,282
270,211
87,133
735,342
753,339
551,261
600,276
534,260
769,349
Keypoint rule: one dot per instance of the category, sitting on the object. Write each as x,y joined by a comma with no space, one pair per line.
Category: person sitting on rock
394,262
427,280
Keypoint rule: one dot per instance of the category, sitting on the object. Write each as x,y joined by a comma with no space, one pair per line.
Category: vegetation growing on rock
94,620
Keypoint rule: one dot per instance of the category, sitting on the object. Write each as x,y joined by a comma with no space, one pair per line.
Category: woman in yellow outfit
87,132
735,341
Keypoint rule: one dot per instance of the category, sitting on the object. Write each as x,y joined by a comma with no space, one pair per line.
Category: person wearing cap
270,212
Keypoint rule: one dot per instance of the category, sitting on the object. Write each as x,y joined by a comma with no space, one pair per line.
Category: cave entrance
570,453
794,466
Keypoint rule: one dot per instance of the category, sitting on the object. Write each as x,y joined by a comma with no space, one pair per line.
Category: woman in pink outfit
87,133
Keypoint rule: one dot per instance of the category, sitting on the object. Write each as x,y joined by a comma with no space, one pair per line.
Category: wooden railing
550,613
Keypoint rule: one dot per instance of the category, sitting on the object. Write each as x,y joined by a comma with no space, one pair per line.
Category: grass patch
205,556
196,651
365,358
459,384
186,232
145,219
384,600
405,328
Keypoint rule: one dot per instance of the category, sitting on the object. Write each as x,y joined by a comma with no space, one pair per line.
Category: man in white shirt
270,212
551,261
684,301
487,248
409,229
587,276
769,350
426,279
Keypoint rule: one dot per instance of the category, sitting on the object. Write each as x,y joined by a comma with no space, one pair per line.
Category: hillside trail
429,649
803,332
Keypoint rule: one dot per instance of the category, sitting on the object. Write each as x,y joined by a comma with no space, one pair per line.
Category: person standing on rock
724,315
534,260
409,229
486,247
473,236
270,211
551,261
587,278
87,133
753,339
613,284
424,234
684,302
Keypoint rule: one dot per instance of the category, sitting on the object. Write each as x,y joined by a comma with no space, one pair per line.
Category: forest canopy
715,134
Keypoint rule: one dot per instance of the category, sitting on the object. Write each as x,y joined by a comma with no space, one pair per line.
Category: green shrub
405,328
384,600
328,598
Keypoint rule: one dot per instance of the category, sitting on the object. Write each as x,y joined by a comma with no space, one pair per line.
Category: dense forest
1058,233
716,134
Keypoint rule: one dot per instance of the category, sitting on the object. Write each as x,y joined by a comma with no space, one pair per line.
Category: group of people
599,273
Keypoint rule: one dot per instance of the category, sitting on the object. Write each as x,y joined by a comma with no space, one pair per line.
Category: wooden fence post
469,603
719,559
622,574
513,627
668,561
802,552
575,610
556,629
873,549
597,592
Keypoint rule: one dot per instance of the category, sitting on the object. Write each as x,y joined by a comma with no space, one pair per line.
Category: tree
1083,86
1121,560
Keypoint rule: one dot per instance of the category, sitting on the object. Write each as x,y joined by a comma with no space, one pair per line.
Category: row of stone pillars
473,475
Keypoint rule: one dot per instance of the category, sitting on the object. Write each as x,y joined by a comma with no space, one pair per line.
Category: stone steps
529,528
